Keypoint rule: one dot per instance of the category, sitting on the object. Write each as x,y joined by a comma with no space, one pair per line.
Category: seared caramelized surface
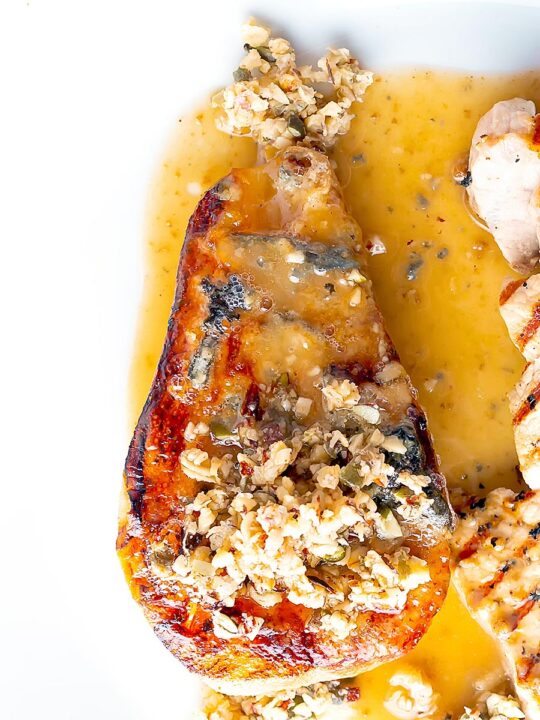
243,315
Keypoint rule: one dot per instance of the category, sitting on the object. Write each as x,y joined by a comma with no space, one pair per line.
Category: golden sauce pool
437,284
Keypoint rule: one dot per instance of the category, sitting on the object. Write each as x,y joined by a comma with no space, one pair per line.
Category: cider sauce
437,285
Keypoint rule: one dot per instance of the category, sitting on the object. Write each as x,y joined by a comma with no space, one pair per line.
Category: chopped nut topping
328,476
295,257
368,413
224,626
192,431
304,504
197,465
355,298
355,277
376,246
412,695
306,703
302,407
340,394
394,445
493,706
276,103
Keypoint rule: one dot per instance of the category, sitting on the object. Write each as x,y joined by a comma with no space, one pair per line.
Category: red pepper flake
246,469
352,694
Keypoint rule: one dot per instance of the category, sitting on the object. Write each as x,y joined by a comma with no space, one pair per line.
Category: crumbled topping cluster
277,103
307,703
494,707
295,513
411,696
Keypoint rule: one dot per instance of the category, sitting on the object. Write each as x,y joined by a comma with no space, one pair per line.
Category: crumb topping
313,513
494,707
411,695
278,103
306,703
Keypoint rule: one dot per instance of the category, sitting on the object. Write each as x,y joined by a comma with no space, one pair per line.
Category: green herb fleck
264,52
296,126
241,75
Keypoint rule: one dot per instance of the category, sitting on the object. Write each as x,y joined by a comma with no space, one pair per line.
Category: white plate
89,92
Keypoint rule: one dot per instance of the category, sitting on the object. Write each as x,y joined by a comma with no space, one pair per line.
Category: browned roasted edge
205,215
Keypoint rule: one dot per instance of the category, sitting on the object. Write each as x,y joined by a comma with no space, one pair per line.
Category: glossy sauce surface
437,285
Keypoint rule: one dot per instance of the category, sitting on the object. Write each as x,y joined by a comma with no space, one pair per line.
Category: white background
89,91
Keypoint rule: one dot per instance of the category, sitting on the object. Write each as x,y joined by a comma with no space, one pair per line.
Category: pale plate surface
90,92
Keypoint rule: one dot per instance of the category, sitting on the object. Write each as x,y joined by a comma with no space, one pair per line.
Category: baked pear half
285,520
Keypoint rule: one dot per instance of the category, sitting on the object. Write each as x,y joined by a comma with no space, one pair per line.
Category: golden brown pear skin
216,347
